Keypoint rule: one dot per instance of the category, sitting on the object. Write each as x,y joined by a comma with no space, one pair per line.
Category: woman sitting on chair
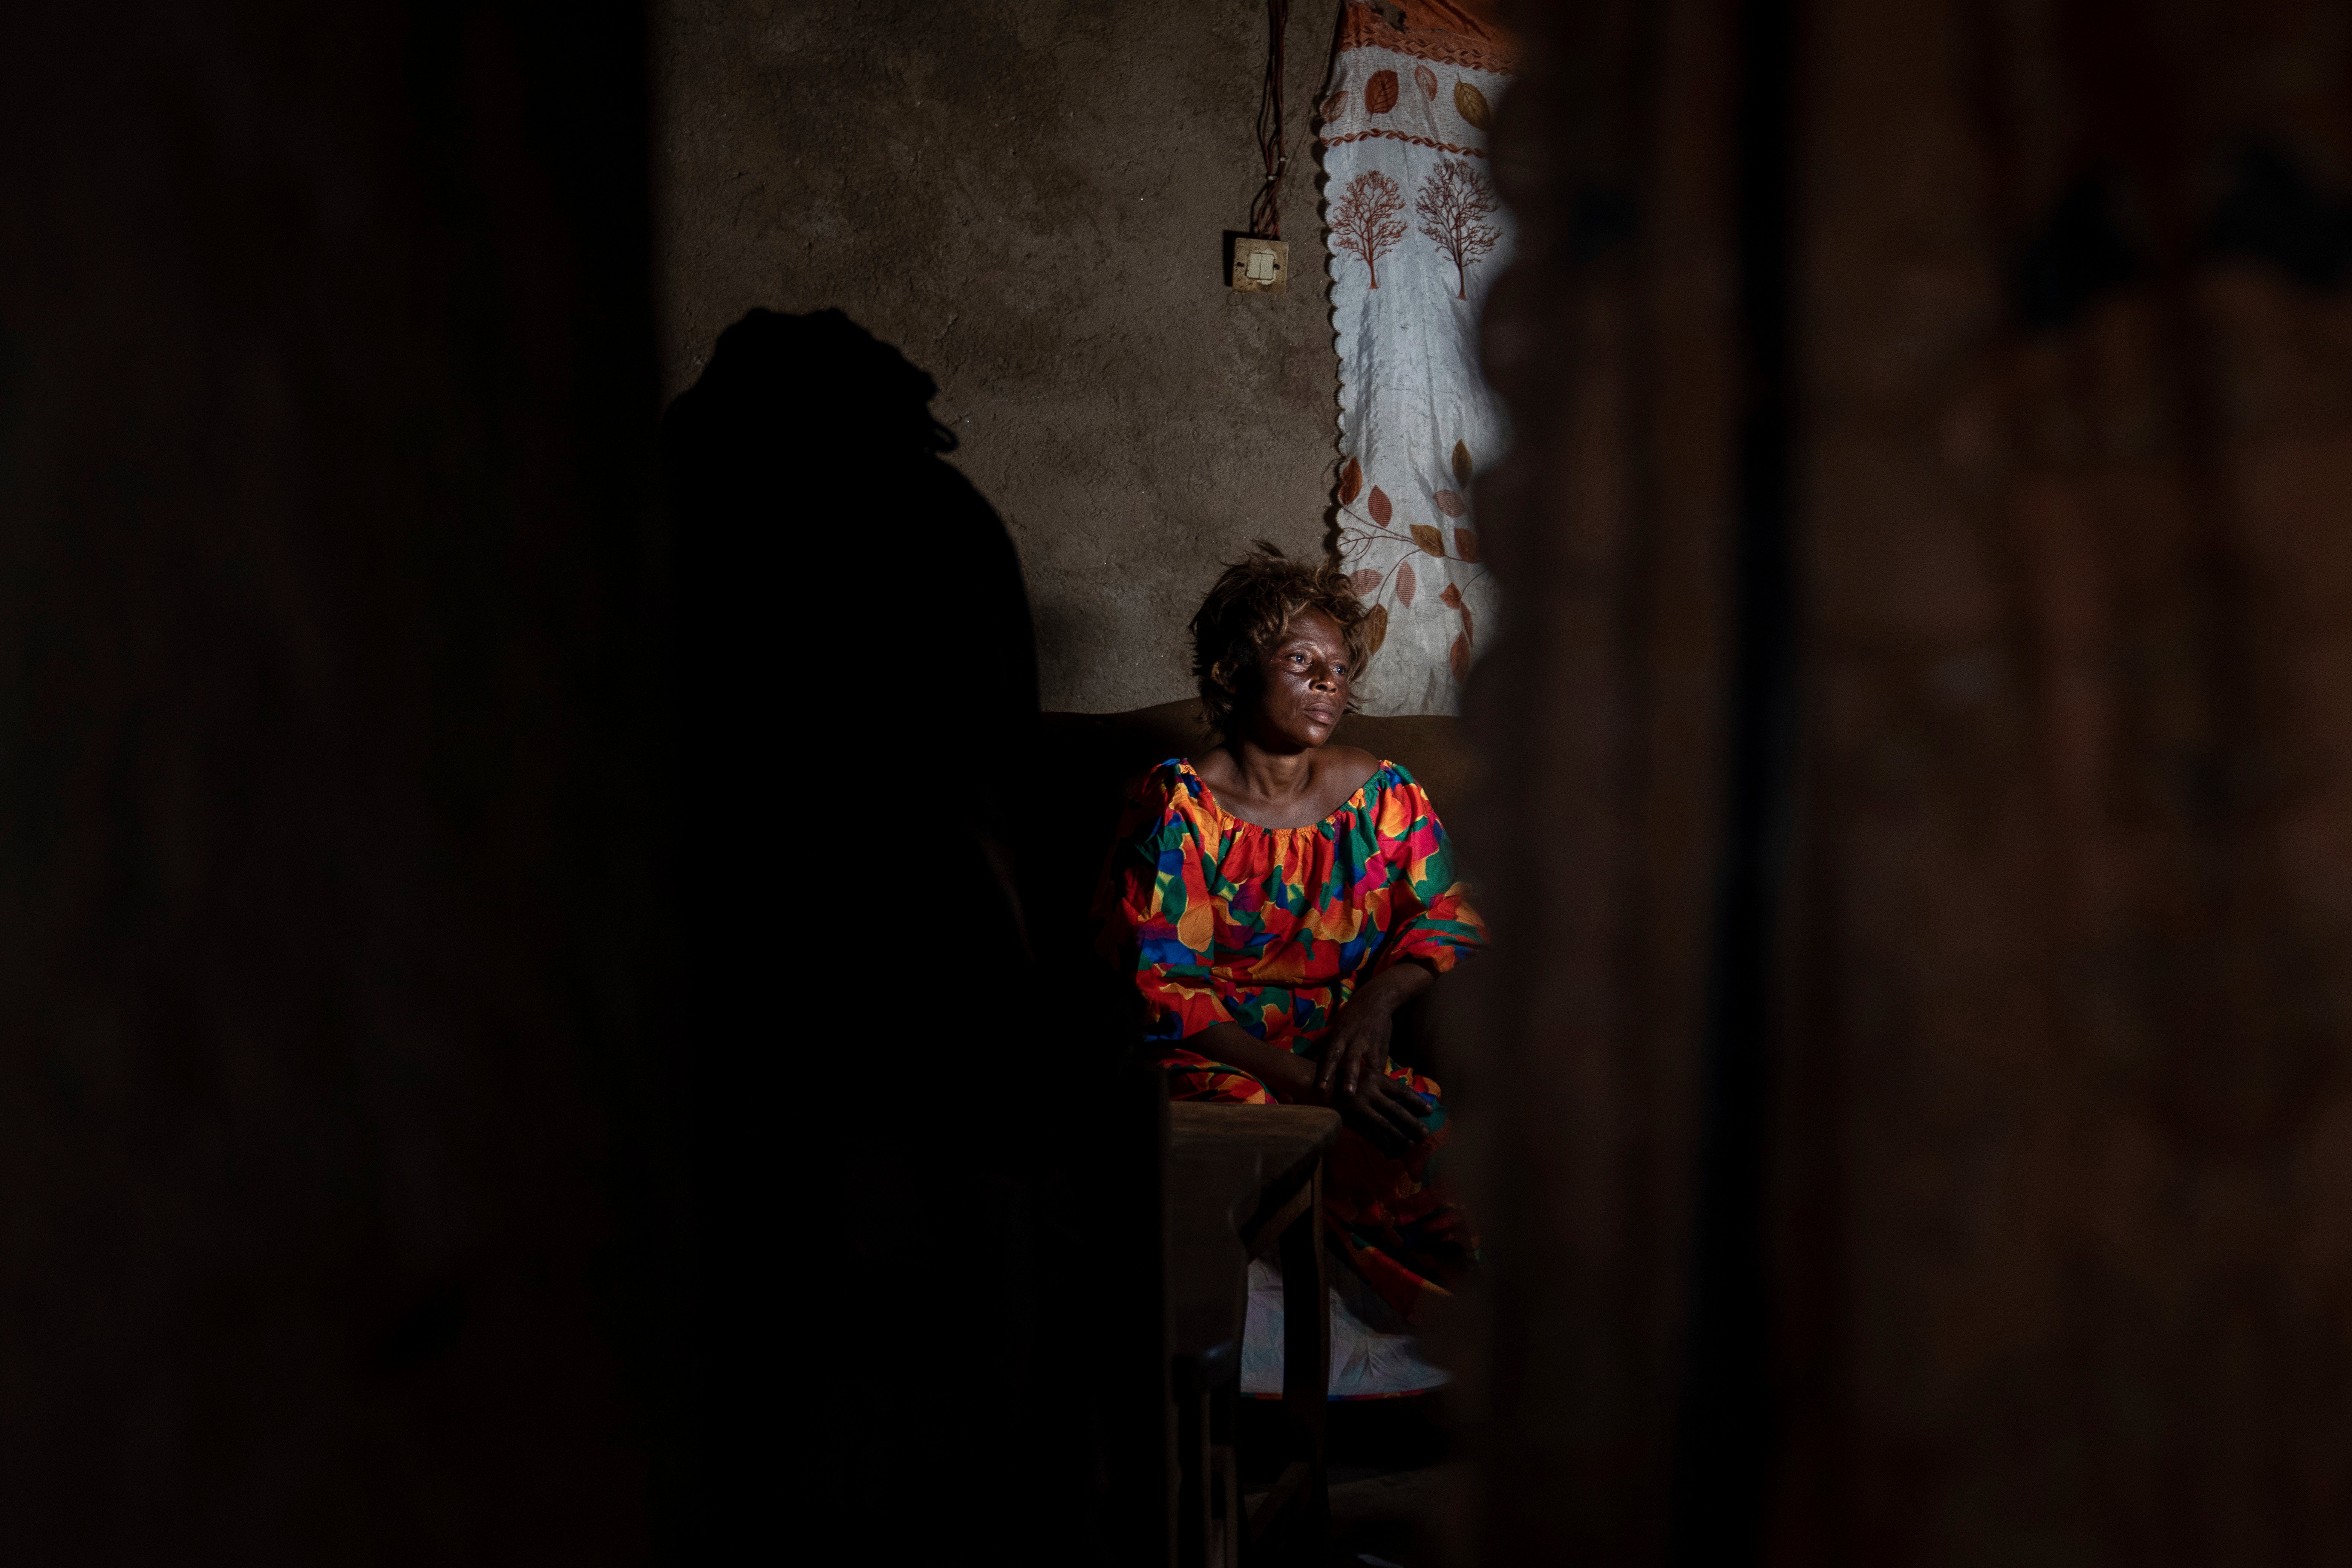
1278,897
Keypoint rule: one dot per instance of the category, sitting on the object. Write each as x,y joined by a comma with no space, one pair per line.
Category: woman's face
1302,684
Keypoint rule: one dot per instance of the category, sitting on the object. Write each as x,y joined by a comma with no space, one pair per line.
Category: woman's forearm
1275,1067
1397,985
1283,1070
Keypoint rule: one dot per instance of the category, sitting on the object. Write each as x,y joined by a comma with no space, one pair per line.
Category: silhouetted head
819,382
1278,647
828,562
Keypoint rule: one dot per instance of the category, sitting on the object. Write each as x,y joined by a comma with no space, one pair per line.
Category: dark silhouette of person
856,681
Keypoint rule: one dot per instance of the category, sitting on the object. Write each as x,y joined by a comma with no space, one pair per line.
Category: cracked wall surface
1029,199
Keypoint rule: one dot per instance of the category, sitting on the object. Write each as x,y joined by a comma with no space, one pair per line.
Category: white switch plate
1261,266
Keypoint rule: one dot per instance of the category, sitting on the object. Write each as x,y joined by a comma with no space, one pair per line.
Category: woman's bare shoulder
1347,768
1215,765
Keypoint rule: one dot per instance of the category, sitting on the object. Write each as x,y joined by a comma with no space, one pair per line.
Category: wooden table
1243,1182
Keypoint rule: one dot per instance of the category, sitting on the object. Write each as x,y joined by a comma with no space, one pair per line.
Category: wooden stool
1245,1182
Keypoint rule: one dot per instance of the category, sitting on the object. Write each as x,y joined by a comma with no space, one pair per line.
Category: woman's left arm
1439,930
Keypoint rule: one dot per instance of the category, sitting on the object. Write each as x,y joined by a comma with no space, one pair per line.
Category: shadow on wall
837,554
851,632
856,676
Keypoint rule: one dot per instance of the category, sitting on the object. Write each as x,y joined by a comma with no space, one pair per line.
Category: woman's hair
1249,609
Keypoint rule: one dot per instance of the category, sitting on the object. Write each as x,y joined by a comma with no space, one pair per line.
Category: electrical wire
1265,212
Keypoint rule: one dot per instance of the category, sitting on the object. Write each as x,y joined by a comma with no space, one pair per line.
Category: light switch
1261,266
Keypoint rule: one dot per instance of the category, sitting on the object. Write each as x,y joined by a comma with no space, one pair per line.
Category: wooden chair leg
1307,1364
1195,1527
1226,1508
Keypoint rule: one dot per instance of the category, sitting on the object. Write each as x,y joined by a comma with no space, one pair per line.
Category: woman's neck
1284,788
1275,777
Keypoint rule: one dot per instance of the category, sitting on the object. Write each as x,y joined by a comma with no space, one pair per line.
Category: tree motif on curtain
1366,224
1413,225
1449,206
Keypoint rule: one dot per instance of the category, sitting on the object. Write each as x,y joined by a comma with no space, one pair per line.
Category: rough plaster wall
1029,199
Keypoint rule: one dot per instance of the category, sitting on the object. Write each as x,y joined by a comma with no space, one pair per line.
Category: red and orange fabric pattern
1221,921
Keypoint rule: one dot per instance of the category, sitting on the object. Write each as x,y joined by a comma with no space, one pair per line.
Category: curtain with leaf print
1416,234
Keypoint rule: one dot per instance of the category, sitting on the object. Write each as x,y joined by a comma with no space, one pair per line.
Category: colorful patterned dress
1221,921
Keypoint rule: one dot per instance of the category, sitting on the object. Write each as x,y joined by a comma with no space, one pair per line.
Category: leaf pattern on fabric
1364,582
1378,622
1333,107
1452,598
1460,658
1408,328
1352,479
